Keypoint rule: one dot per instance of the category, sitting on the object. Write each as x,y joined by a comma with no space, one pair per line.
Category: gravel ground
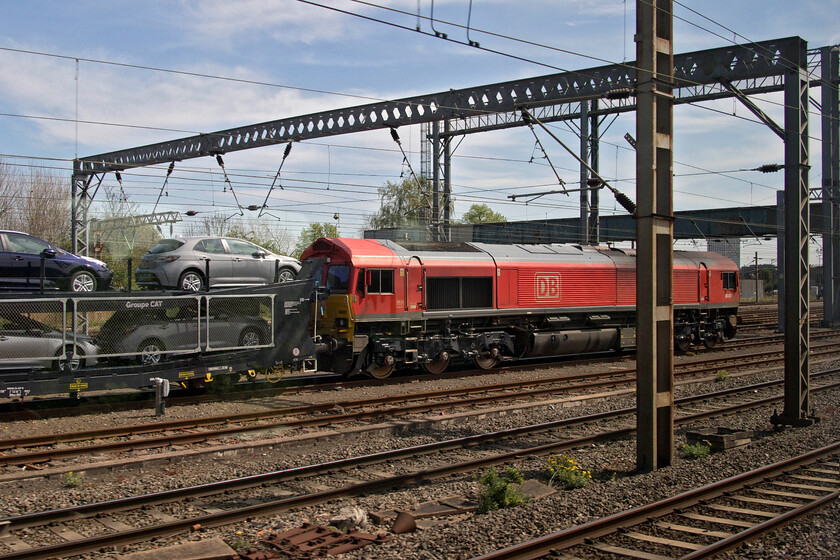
467,535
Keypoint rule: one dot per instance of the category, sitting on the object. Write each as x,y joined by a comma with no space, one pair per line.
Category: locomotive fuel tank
559,343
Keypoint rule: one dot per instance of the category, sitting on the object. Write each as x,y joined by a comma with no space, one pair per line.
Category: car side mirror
259,255
48,253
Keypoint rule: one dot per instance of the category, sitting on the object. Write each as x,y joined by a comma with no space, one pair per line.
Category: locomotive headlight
341,322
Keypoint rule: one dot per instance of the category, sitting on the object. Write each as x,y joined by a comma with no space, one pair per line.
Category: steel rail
186,438
123,431
540,547
275,506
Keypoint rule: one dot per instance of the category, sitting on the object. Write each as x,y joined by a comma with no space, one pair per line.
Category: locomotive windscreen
459,293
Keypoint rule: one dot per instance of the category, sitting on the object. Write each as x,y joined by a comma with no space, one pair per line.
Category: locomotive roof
386,249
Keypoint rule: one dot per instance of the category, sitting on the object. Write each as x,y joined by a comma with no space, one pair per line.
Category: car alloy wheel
82,281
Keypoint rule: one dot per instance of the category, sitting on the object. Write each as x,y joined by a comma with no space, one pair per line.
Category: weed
566,472
697,451
499,492
721,375
72,479
240,542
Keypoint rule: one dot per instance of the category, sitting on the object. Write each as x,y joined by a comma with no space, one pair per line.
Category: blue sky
252,61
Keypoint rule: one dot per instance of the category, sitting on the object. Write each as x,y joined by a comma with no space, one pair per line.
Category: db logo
547,286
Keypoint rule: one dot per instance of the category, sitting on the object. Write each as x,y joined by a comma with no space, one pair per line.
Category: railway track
51,408
703,522
19,451
95,526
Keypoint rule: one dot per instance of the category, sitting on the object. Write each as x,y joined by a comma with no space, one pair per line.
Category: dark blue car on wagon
20,266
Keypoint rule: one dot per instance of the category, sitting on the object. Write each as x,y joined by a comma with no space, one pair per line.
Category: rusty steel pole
654,235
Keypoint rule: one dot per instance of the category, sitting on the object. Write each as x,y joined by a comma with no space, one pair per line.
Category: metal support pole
780,259
584,173
594,162
654,234
79,204
797,227
447,179
436,180
830,74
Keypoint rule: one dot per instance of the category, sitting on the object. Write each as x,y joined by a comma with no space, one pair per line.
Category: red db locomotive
385,304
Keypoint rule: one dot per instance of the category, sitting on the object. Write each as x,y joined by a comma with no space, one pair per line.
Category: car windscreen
165,245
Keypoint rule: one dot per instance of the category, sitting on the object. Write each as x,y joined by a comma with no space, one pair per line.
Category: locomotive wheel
436,366
683,344
380,372
486,362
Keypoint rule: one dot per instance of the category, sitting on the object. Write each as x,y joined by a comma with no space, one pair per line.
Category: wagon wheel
438,365
487,362
380,372
683,344
710,342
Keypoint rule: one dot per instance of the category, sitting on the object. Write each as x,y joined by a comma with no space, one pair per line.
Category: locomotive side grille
459,293
443,293
476,292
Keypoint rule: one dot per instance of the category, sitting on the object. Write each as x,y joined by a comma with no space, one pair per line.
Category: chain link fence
78,332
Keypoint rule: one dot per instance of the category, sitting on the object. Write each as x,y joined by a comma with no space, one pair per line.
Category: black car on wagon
21,256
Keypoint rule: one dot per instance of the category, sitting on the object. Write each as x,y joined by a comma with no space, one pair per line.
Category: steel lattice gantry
752,68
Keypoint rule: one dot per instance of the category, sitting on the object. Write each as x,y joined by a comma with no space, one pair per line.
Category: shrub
697,450
499,491
566,472
721,375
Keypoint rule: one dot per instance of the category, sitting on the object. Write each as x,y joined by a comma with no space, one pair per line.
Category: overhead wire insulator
625,201
770,167
619,93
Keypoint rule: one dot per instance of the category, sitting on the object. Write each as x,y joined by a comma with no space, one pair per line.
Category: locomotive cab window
729,282
338,278
380,281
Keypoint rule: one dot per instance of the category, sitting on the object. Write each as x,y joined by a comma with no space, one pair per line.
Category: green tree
313,232
115,235
481,214
407,203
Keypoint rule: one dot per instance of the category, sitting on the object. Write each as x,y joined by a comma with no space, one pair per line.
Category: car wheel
191,281
150,352
250,337
61,362
82,281
286,274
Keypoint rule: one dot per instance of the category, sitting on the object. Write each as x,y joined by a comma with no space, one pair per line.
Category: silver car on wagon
182,263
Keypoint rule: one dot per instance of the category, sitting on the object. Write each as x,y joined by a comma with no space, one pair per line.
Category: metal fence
77,332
